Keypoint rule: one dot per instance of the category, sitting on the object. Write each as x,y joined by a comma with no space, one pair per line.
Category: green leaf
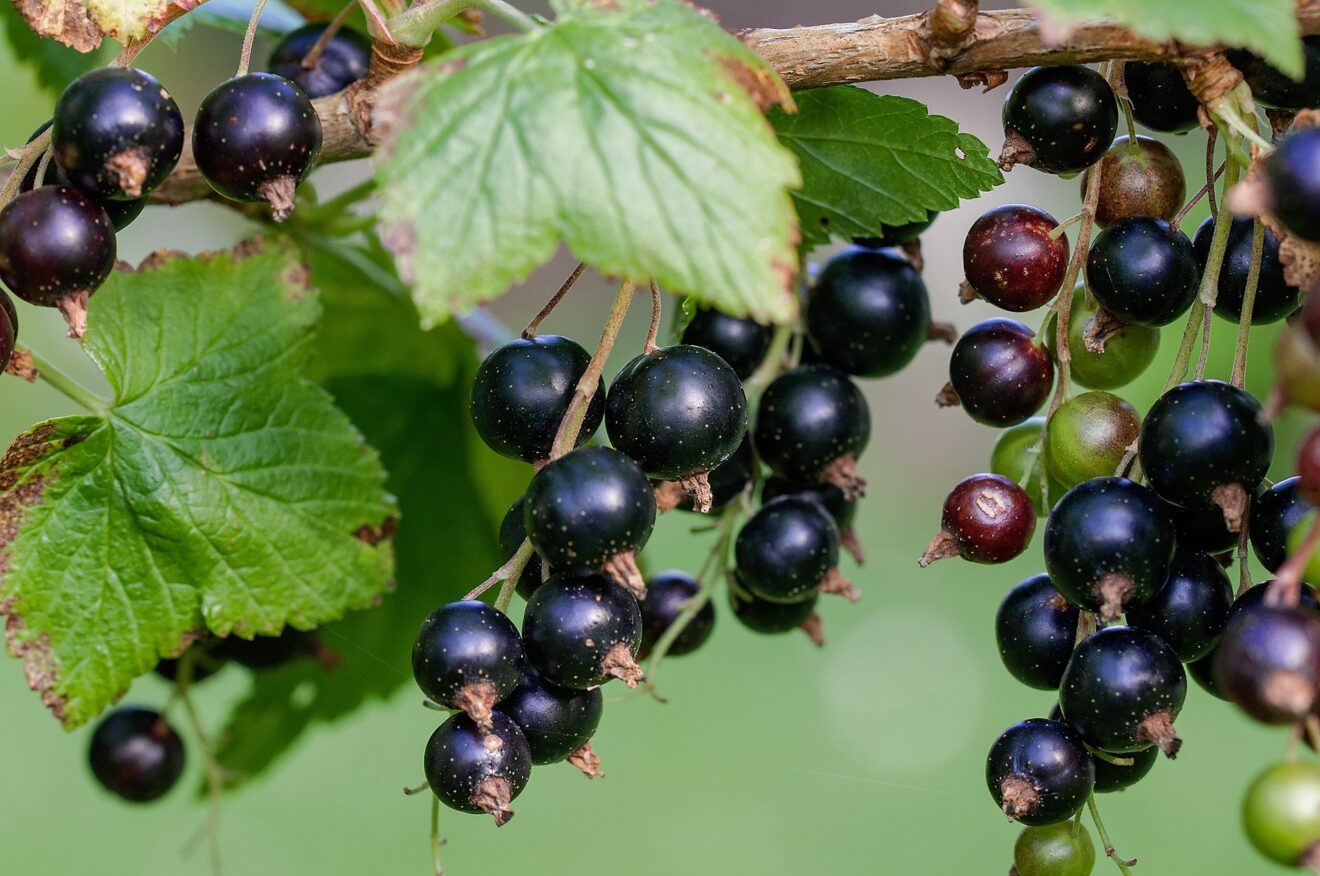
631,130
55,65
1267,27
220,490
871,160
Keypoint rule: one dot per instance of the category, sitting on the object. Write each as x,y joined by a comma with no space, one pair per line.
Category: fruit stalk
1124,866
1238,376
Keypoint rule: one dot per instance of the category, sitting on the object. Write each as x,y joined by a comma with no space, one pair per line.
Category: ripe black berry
267,652
468,656
1036,628
255,138
1011,260
558,722
1000,372
204,656
727,480
1275,299
1271,88
55,242
739,341
1039,772
8,330
811,425
1202,528
831,498
343,61
1160,97
136,754
1268,662
1122,690
593,507
1143,271
667,596
679,412
522,390
513,530
789,551
1273,515
774,618
1141,180
121,213
1059,119
987,519
1292,174
1110,776
478,770
868,313
1190,611
581,629
117,133
1109,544
1205,671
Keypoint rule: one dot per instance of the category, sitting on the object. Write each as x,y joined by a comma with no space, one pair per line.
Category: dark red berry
987,519
468,656
811,426
54,242
343,61
1292,174
556,721
1143,271
668,595
1190,611
1145,180
1059,119
1035,628
581,629
1039,772
1011,260
1275,299
1160,97
739,341
789,551
1268,662
1000,372
475,769
136,754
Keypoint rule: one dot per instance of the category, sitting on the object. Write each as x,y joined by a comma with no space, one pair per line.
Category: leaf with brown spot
81,24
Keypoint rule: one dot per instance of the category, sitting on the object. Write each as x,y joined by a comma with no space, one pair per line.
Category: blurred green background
772,757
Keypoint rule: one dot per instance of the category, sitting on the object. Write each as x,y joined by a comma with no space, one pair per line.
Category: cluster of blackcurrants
116,135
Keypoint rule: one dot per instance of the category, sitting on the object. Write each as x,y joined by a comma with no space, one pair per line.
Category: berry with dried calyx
1105,353
1058,119
789,551
475,769
811,426
1000,373
1143,271
581,629
987,519
468,656
1039,772
1088,436
1013,257
558,722
1268,662
1160,97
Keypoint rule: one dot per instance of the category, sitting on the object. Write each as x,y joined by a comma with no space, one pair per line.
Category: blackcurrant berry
1111,777
1016,455
255,138
1000,372
136,754
1160,97
727,480
774,618
8,332
558,722
739,341
1268,662
831,498
581,629
1036,628
1273,515
513,531
1275,299
475,769
1202,528
1059,119
1141,180
1190,611
1109,544
1088,436
1013,259
55,242
1062,849
1203,673
789,551
343,61
898,235
987,519
1272,88
267,652
868,313
593,507
667,596
1204,670
1122,691
468,656
811,425
1039,772
679,412
522,390
1292,174
117,133
1308,468
1143,271
1281,814
1128,349
121,213
1207,441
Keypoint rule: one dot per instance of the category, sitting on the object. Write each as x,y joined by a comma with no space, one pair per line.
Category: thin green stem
436,842
245,59
1207,325
1124,866
215,776
1227,112
1182,361
348,197
70,388
649,345
1131,125
566,437
1238,376
513,573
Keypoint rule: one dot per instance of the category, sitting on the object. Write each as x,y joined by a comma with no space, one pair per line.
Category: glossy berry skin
1126,356
1014,455
587,507
573,624
1202,528
1088,436
266,652
1281,812
1145,180
1143,271
830,497
728,479
1035,628
770,618
668,594
1001,373
1273,515
8,334
1191,610
136,754
1066,116
740,342
1202,435
1268,662
343,61
467,651
987,518
1160,97
1272,88
121,213
556,721
1039,772
678,411
869,312
1292,173
1275,299
1109,544
1054,850
787,549
54,241
1204,671
808,418
117,133
254,133
1010,259
475,770
1112,777
1122,690
522,390
898,235
513,530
